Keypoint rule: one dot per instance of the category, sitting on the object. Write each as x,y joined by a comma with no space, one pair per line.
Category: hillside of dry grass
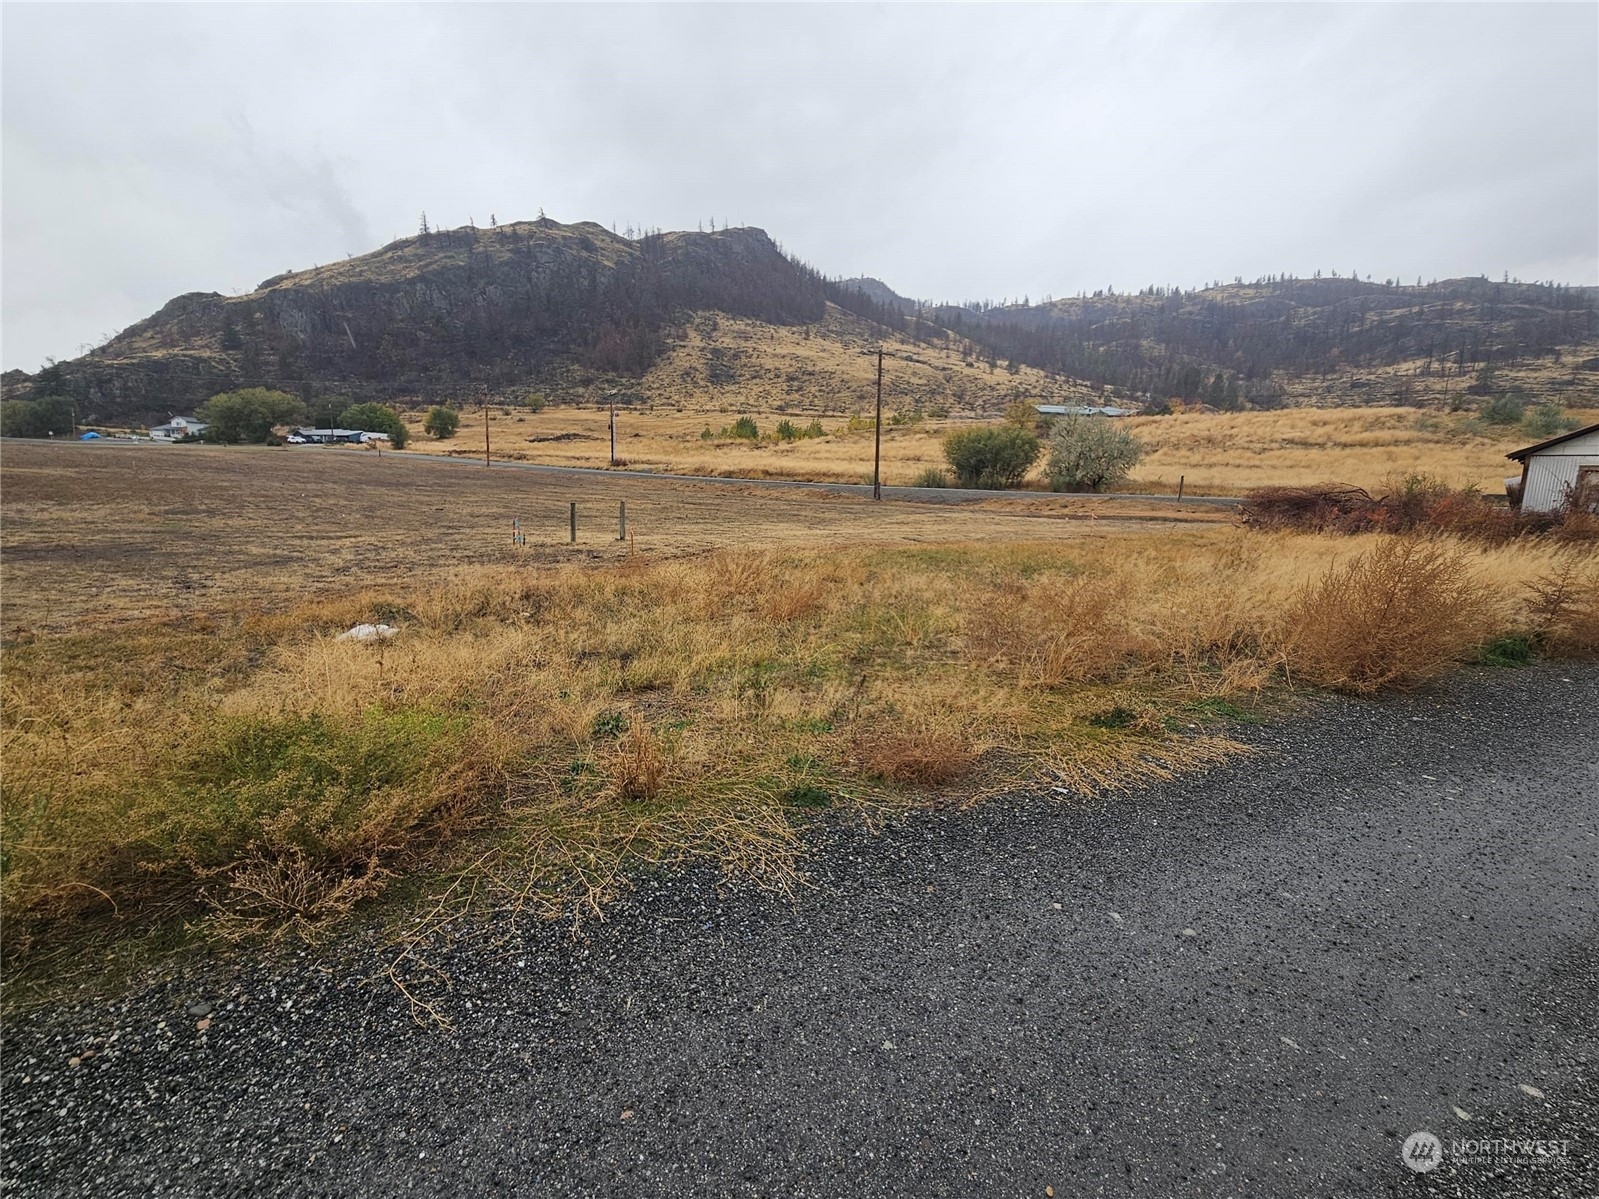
830,368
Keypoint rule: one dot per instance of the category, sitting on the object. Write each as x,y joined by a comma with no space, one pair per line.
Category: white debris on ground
369,632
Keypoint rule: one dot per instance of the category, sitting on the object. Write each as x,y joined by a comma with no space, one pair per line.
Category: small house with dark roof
1560,473
177,429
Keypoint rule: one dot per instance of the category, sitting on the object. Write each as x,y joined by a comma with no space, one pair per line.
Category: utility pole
484,396
613,427
877,436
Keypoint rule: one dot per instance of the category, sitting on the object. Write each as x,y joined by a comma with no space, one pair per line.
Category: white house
1563,470
178,428
1082,410
331,436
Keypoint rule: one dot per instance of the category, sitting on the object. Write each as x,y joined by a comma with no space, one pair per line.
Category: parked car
295,439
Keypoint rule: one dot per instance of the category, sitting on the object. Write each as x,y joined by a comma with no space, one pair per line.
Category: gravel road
1255,982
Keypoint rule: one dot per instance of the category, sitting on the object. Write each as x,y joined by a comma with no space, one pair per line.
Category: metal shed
1563,470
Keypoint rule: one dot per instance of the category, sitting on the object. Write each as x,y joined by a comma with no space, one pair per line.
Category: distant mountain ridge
1253,342
539,304
882,293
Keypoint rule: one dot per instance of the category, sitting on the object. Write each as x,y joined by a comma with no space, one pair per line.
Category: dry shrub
1055,629
285,893
925,757
1318,508
1467,515
1564,606
639,768
1407,504
1410,501
1576,527
1399,613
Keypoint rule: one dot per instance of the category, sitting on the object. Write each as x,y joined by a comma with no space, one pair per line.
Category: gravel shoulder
1254,981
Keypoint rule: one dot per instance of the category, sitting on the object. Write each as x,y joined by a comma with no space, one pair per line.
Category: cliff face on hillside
543,305
440,313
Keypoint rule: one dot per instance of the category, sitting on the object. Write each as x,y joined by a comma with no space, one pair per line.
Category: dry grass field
191,751
1232,453
1217,453
104,534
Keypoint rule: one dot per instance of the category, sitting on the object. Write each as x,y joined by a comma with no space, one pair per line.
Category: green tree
375,418
441,422
44,417
1503,409
1021,414
994,457
1546,420
248,415
1090,453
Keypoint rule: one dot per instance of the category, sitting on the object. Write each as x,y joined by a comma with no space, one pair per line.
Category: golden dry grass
1232,453
724,367
1217,453
641,712
830,368
666,441
103,534
542,725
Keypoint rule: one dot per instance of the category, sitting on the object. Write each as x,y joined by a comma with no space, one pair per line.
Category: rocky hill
443,312
568,309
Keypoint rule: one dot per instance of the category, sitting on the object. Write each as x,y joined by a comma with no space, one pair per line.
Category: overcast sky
954,152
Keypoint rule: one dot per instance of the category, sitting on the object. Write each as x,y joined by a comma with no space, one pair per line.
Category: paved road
1255,982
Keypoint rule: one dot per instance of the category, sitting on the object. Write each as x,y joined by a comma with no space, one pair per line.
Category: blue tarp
91,435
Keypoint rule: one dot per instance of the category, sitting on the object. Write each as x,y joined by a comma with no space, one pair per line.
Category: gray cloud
956,152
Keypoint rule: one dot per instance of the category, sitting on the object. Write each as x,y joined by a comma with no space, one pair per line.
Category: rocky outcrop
431,315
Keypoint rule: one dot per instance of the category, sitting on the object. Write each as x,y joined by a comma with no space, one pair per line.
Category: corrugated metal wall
1551,474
